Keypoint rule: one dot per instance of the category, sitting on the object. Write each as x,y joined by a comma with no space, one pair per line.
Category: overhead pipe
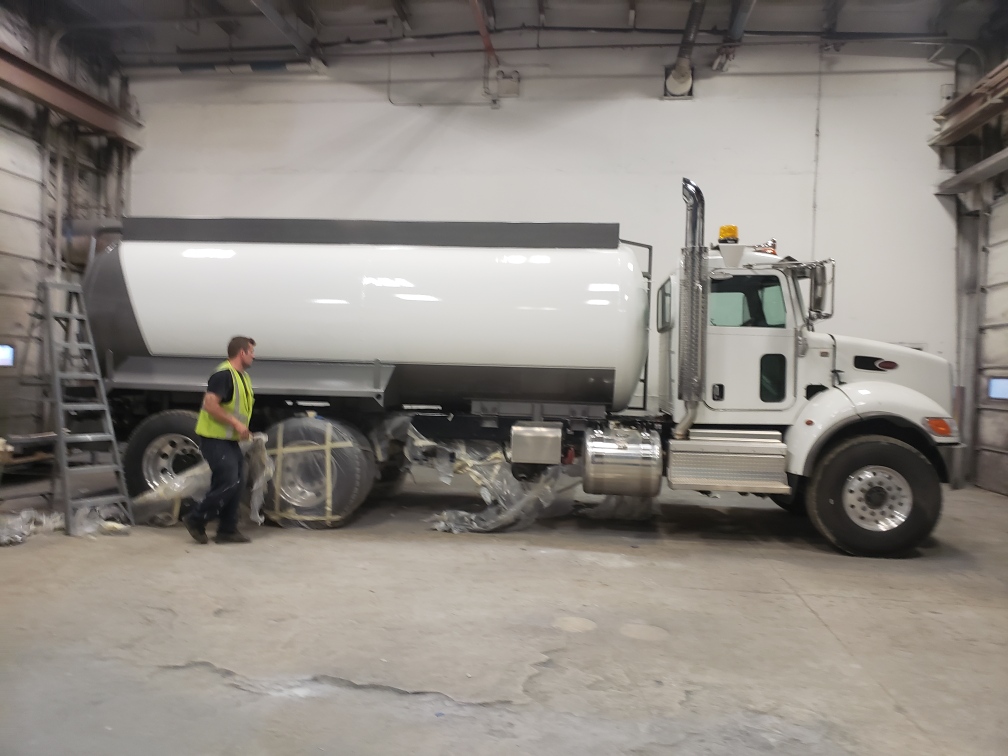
372,48
679,81
484,34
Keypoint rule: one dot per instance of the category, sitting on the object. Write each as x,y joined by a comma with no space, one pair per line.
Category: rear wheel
875,496
159,449
324,471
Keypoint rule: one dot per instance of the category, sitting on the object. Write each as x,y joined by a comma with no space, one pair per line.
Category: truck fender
826,412
833,410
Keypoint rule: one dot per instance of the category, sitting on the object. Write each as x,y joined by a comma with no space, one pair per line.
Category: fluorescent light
212,254
395,283
329,301
513,259
418,298
540,309
539,259
603,287
598,302
6,355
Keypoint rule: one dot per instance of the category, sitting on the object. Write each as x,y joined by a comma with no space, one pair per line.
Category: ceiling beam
305,12
939,22
490,12
831,14
215,8
965,180
27,79
269,10
402,12
740,11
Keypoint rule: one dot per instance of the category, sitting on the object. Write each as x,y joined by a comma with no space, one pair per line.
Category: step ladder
70,377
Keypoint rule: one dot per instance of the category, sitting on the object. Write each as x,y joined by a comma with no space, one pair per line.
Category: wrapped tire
160,448
324,471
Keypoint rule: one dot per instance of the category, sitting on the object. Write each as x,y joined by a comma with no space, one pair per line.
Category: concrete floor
728,630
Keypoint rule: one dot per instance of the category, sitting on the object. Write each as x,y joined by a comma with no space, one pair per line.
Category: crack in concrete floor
315,685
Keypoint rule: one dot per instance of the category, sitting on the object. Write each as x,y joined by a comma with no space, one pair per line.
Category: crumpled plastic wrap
509,502
195,482
18,527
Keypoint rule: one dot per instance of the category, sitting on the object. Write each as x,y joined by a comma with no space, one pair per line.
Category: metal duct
679,82
692,308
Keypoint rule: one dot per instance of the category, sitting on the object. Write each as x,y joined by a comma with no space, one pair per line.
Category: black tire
920,506
793,503
145,438
297,495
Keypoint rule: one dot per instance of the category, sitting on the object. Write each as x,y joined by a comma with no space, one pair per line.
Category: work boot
198,532
232,537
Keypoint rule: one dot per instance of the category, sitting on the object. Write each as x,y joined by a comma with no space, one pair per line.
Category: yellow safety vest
240,406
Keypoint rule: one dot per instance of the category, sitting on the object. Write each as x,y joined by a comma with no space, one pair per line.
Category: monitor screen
997,388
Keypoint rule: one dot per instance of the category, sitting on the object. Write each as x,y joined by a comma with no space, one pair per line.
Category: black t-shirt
222,384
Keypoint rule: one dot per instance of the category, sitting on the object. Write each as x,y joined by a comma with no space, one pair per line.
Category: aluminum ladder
69,374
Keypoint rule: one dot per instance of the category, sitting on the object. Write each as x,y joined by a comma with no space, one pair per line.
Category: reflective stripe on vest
239,406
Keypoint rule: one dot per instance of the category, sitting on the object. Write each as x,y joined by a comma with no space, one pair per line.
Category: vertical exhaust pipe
692,309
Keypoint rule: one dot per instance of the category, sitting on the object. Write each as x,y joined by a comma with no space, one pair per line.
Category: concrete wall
38,162
827,153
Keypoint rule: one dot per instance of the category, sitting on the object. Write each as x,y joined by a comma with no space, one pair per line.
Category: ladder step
98,501
93,468
83,407
88,438
63,286
79,344
78,376
63,315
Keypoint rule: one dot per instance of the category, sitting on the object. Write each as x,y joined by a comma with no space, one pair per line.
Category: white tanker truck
534,336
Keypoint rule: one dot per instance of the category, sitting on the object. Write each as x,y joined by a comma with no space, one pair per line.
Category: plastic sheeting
17,528
324,471
509,502
195,482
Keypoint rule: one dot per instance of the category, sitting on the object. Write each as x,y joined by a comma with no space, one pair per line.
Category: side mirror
820,296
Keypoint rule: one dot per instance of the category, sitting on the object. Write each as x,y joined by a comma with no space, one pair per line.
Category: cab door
751,348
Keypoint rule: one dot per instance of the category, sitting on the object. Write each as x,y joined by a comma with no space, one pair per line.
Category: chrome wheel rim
877,498
303,476
167,456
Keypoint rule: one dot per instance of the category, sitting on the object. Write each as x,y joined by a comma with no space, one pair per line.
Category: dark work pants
227,467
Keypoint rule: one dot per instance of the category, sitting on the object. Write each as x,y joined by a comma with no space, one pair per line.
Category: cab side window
747,302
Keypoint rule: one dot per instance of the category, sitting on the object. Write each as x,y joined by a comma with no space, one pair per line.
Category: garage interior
872,133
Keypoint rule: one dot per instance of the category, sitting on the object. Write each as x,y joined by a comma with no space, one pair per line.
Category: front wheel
874,496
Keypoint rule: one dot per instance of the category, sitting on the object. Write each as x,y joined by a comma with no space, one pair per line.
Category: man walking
222,423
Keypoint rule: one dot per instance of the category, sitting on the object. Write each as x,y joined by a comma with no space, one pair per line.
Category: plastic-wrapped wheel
161,447
875,496
324,471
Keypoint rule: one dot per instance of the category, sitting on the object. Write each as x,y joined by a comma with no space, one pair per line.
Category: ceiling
192,32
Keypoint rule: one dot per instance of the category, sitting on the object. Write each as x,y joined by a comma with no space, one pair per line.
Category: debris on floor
17,528
509,502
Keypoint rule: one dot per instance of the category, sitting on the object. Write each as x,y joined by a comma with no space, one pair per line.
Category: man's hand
242,430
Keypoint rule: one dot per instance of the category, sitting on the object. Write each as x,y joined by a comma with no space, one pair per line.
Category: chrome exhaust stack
693,283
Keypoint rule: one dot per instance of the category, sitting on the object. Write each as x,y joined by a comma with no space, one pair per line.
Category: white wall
590,139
